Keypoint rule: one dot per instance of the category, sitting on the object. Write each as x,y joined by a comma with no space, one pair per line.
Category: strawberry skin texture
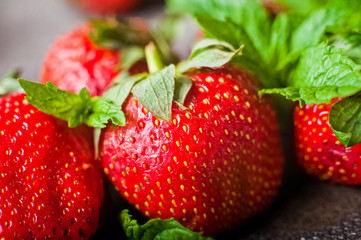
74,62
108,6
215,164
51,186
318,149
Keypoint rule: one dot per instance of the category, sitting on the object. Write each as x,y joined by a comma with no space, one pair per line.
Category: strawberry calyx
163,85
155,90
153,57
119,33
131,36
127,36
210,53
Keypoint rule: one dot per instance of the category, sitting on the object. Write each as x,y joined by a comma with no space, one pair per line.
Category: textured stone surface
315,211
306,208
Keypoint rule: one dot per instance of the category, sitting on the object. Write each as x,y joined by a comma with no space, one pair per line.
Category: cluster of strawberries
216,162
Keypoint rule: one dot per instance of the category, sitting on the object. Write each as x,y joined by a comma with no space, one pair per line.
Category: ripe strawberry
50,184
74,62
318,149
213,165
108,6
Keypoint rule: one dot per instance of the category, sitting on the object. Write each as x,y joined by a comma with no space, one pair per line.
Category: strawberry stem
154,60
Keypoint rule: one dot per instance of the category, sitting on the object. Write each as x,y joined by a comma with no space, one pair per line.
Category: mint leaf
326,66
123,84
76,109
345,119
309,95
210,53
279,39
323,73
272,47
157,229
156,92
246,13
350,42
103,110
239,23
305,6
311,31
249,14
183,84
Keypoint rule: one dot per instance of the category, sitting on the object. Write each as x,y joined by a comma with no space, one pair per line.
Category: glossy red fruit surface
51,186
74,62
318,149
215,164
108,6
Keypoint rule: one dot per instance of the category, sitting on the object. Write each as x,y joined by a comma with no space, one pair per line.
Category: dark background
305,209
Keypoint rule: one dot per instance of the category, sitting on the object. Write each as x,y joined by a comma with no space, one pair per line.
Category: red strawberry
215,164
74,62
50,184
108,6
318,149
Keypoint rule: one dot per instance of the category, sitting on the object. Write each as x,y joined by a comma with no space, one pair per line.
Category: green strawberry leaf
345,119
156,92
210,53
183,84
157,229
209,43
76,109
123,84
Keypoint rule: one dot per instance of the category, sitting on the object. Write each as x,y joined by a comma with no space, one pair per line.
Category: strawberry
51,186
216,163
75,61
318,149
107,6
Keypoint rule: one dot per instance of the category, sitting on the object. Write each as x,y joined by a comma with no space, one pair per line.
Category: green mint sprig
308,56
73,108
157,229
